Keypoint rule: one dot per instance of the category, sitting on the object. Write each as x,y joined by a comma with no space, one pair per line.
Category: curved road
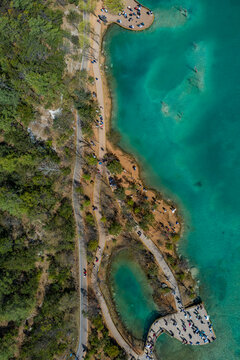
101,231
83,305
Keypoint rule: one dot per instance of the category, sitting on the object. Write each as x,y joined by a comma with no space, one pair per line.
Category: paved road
83,306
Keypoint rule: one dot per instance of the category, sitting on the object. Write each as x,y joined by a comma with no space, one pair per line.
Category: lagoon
183,127
132,295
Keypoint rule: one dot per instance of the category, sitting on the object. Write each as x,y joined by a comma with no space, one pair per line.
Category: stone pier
190,326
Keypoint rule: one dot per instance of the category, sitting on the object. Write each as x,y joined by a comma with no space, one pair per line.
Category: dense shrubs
35,217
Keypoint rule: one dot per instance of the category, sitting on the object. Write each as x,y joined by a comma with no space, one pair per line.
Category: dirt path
170,322
96,198
83,304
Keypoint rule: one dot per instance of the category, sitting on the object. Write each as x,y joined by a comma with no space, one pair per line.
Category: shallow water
184,127
132,294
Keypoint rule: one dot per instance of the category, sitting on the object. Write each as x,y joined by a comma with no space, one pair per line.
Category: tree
175,237
92,245
89,219
98,323
112,351
73,17
120,193
86,176
115,167
91,160
115,229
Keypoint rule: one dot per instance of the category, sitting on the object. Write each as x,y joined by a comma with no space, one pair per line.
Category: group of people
136,12
188,329
130,15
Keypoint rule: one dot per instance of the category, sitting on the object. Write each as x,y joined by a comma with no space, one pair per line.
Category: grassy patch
114,6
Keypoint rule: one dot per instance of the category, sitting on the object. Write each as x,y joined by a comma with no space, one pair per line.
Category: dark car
103,18
139,233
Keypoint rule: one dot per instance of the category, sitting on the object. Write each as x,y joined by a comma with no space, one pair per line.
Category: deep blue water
184,128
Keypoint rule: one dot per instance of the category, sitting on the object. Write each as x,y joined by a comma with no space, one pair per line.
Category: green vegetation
92,245
86,106
86,176
115,229
176,238
115,167
89,219
63,121
120,193
130,202
86,203
91,160
88,6
79,190
114,6
73,17
147,220
75,2
170,259
101,345
165,290
169,246
181,276
19,279
36,219
112,350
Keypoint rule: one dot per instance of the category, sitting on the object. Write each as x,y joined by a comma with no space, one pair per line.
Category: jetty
191,326
133,16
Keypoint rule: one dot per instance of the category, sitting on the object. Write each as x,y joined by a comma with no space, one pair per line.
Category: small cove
132,295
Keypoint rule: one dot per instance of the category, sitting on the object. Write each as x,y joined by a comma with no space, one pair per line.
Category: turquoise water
184,127
132,295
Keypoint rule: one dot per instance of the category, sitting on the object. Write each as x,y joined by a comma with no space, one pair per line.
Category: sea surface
176,103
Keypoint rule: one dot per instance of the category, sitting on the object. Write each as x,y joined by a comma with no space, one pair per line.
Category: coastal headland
133,16
155,221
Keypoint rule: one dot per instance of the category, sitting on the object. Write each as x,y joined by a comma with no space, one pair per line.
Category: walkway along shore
101,232
190,326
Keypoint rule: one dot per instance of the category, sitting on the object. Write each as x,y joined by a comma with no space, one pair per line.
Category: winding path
190,326
82,260
101,231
